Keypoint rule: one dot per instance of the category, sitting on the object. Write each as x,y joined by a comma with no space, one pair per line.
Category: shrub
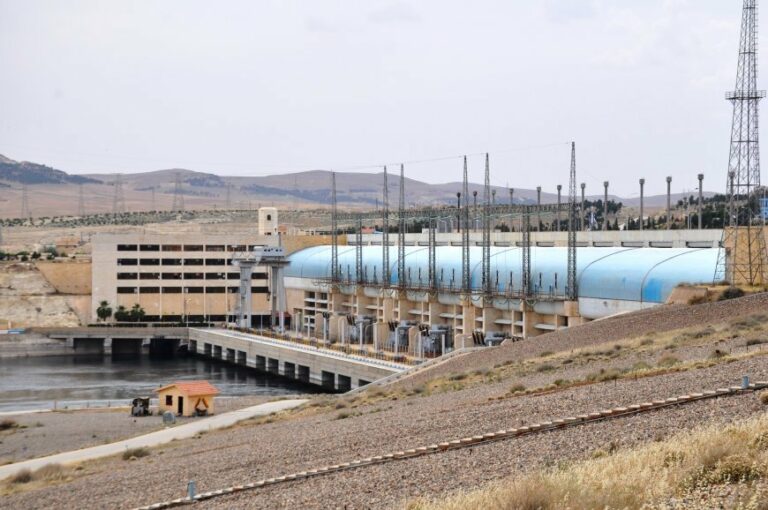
668,361
731,293
641,365
516,388
51,473
764,398
457,377
23,476
697,300
756,341
135,453
343,416
545,367
8,424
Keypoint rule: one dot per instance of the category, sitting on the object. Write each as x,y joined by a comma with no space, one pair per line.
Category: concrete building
176,278
610,281
268,222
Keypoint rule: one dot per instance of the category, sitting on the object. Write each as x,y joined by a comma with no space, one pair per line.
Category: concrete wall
322,367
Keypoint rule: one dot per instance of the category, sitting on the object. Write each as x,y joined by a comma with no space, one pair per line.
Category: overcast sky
261,87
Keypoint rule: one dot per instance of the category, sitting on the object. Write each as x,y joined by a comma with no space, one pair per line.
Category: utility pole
701,201
178,196
605,205
559,190
669,202
642,189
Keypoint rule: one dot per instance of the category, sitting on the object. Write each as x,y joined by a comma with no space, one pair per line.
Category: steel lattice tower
118,200
737,262
432,249
572,291
359,251
334,232
385,269
526,258
487,284
25,212
178,196
80,200
401,232
466,275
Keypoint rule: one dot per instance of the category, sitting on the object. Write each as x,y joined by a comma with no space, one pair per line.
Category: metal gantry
385,269
737,263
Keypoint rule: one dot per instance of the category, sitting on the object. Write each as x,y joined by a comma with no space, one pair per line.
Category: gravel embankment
653,320
40,434
249,453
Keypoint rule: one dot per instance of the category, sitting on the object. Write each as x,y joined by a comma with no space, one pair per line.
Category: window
171,247
127,262
233,276
150,290
269,217
215,262
171,290
149,262
195,290
260,290
194,276
193,247
169,400
149,276
233,290
127,276
127,290
171,276
216,290
126,247
171,262
149,247
214,247
259,276
193,262
237,247
215,276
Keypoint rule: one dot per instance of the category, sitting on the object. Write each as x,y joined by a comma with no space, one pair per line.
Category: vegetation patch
644,477
135,453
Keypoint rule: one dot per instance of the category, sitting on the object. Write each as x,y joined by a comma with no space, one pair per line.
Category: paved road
152,439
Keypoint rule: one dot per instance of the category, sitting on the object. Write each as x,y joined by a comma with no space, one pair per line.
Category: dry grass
135,453
8,424
643,477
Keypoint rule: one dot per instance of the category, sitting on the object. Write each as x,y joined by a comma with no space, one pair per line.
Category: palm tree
104,311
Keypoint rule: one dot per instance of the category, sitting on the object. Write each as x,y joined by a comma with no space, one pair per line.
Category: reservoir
99,381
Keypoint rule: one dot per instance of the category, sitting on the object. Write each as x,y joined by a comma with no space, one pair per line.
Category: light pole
458,211
605,205
538,208
642,188
669,202
701,200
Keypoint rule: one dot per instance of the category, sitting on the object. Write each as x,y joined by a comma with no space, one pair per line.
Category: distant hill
53,192
25,172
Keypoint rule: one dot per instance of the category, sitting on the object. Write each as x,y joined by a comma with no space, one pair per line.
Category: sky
259,87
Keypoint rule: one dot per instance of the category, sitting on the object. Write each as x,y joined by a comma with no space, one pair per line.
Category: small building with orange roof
187,398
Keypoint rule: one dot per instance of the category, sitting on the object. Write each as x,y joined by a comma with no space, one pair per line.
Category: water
98,381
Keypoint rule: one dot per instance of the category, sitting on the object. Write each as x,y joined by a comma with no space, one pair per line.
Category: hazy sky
260,87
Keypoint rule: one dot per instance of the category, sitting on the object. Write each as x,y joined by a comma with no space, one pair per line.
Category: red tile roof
192,388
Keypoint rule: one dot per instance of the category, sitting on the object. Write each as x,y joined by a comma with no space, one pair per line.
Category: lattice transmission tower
742,256
572,290
118,199
178,195
385,268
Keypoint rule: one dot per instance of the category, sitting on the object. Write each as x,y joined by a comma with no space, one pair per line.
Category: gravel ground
653,320
251,452
41,434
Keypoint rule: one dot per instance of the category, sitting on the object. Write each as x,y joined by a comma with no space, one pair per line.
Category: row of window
187,276
174,262
187,247
188,290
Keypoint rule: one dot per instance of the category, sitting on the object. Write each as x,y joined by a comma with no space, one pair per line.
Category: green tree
104,311
121,314
137,313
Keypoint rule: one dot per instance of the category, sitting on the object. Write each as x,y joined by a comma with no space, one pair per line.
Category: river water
98,381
